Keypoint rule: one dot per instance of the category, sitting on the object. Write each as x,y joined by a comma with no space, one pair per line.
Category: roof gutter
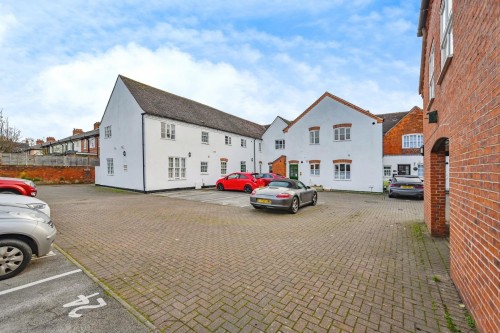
424,7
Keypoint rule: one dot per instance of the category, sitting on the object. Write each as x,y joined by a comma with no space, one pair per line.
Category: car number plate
264,201
406,186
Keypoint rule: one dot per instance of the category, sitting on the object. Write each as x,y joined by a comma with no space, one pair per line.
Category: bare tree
9,135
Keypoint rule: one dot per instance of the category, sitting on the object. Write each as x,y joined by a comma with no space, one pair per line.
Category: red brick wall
279,166
467,101
412,123
50,175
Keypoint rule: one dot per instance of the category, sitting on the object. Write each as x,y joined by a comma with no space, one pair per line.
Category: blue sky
255,59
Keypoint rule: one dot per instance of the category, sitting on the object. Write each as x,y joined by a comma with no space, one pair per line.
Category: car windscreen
280,184
414,180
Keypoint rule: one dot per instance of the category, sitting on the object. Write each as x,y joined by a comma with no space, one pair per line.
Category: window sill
444,69
204,173
341,140
342,180
205,143
168,139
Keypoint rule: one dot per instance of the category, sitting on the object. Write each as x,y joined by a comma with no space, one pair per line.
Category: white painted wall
188,140
273,133
394,160
364,148
123,114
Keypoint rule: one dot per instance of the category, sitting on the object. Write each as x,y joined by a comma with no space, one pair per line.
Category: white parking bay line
38,282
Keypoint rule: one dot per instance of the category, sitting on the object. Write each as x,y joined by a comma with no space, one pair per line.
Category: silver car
23,232
25,200
284,194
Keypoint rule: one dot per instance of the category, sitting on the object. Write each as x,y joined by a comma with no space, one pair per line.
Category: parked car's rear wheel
257,207
220,187
391,195
315,199
15,255
294,207
247,189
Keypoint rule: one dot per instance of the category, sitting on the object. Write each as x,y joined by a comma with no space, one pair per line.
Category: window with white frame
92,143
204,137
204,167
420,170
341,133
107,132
279,144
227,140
314,137
176,168
84,144
413,140
314,167
446,31
243,166
387,171
431,73
260,147
167,131
244,143
223,167
342,171
111,167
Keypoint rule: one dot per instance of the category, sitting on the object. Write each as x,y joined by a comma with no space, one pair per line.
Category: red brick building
459,83
403,137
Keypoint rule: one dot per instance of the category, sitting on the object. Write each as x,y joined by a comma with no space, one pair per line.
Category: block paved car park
54,295
353,263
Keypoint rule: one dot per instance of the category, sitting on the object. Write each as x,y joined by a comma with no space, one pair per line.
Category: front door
404,169
294,171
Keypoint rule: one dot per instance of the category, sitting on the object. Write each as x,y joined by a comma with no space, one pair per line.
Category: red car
240,181
269,177
17,186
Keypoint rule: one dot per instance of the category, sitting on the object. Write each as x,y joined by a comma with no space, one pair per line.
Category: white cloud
7,22
74,95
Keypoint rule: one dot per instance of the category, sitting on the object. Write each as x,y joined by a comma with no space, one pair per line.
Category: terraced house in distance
152,140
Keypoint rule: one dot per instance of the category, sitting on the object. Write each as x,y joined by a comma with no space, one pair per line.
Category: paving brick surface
353,263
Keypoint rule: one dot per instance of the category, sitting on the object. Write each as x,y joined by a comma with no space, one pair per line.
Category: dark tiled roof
391,119
286,121
166,105
80,136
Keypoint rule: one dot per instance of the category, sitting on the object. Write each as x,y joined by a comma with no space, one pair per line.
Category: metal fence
48,160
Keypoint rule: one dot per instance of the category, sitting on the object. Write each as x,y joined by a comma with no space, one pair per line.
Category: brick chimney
77,131
96,125
39,141
51,139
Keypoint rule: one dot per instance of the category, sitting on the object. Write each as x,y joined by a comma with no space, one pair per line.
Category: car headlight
29,183
36,205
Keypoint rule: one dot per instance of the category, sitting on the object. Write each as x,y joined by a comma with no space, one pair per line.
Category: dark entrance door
294,171
404,169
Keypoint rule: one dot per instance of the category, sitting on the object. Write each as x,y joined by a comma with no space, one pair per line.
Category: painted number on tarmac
83,303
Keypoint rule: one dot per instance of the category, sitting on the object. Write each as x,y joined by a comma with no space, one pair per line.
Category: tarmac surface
201,261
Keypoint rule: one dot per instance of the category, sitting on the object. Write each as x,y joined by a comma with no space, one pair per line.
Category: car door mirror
308,187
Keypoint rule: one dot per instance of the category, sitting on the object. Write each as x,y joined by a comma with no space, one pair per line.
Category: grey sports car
284,194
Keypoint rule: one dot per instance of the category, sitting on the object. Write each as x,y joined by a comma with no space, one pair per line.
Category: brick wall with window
412,123
466,98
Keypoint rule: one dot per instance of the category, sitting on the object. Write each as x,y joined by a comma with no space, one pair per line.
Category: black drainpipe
143,158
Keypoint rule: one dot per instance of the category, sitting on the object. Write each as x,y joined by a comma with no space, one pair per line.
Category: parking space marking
39,281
